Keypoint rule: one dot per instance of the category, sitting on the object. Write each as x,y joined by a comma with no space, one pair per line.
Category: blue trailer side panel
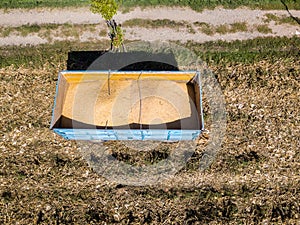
142,135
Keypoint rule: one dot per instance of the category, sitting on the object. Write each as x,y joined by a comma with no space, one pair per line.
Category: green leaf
107,8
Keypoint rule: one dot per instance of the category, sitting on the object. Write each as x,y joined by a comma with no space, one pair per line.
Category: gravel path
216,17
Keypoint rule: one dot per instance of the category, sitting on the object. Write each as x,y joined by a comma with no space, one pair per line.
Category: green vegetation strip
44,30
42,3
37,57
194,4
249,51
221,29
147,23
279,19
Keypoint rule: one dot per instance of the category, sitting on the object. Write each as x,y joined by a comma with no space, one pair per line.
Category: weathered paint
115,135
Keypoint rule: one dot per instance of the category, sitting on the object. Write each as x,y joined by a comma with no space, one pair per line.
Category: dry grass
52,30
279,19
209,29
263,28
254,179
164,23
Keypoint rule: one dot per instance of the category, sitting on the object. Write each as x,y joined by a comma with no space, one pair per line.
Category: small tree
107,9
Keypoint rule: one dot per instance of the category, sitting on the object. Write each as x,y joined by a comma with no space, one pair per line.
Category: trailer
103,105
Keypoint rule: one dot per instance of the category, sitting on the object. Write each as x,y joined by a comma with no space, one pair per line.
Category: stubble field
254,179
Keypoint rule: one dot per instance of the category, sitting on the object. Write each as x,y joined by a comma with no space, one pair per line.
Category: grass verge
9,4
209,29
147,23
279,19
249,51
44,30
166,23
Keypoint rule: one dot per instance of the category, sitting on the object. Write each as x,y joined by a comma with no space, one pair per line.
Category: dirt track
217,17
